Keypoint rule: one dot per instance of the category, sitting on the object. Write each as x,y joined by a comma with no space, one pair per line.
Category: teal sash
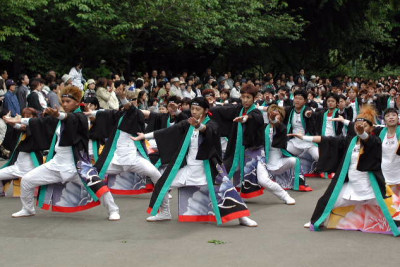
385,130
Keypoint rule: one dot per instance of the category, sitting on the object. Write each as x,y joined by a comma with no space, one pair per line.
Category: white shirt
193,173
298,128
275,155
390,160
329,131
63,160
126,151
359,187
41,98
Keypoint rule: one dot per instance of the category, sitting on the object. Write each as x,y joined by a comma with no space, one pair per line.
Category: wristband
363,136
308,138
149,135
201,127
346,122
62,116
245,118
25,121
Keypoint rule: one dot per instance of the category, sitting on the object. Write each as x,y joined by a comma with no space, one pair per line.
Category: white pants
22,166
267,183
313,151
140,166
43,176
287,164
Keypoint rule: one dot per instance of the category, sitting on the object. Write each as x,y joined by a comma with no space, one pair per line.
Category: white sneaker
162,216
23,213
289,200
246,221
307,225
114,216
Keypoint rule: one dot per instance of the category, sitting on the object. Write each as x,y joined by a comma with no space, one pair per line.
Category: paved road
88,239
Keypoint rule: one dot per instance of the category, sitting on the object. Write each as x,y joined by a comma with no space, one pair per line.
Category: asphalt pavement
88,239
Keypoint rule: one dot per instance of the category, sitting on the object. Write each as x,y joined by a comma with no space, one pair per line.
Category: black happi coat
107,126
253,129
332,151
170,141
318,117
310,127
158,121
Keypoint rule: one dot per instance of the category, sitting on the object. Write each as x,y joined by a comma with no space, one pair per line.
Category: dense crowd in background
152,90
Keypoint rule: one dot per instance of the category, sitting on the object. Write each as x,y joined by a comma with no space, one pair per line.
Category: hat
221,79
313,77
182,82
90,81
65,78
175,79
9,83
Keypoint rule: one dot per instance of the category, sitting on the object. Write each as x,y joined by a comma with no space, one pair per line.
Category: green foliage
38,35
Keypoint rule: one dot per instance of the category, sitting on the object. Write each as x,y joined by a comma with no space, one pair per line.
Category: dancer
196,142
245,154
280,163
67,160
27,154
356,197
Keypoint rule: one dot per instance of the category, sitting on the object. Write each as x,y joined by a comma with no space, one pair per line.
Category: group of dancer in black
216,155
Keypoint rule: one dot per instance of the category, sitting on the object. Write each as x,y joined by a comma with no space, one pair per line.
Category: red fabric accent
237,189
149,210
197,218
75,209
304,188
253,194
330,114
235,215
46,206
104,189
130,192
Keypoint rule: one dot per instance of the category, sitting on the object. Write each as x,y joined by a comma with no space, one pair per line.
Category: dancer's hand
241,119
359,127
339,119
274,115
298,135
54,112
194,122
139,137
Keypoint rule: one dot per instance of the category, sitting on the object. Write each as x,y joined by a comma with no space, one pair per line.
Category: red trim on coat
75,209
252,194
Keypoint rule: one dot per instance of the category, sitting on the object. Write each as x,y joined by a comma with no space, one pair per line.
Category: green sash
95,150
238,159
